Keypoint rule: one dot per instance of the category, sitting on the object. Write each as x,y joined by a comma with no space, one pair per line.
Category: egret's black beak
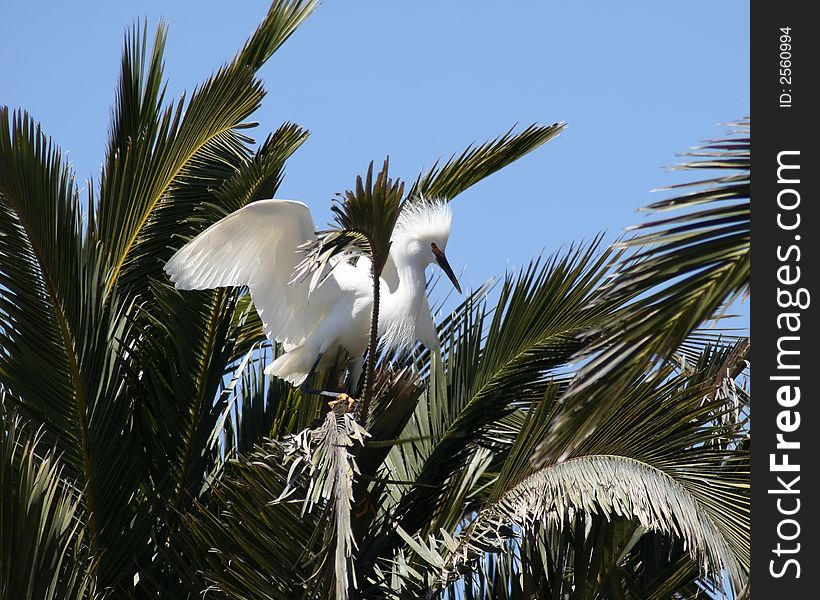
445,266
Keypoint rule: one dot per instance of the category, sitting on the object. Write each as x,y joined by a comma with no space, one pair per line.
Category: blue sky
636,82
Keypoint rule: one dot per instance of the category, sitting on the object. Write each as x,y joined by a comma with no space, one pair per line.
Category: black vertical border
776,129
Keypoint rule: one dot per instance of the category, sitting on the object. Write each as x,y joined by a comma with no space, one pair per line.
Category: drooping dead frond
607,485
324,454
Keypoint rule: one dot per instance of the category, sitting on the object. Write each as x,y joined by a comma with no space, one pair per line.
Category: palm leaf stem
370,374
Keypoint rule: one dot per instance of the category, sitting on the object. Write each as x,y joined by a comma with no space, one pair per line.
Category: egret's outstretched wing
255,246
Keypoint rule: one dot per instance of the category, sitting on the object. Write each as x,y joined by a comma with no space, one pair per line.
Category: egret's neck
412,283
400,308
411,271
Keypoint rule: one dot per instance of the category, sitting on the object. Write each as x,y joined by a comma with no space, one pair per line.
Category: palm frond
154,152
478,162
331,467
365,218
692,347
61,339
281,516
658,568
493,363
396,394
686,268
664,459
492,367
676,424
181,363
257,407
41,244
183,344
607,485
184,400
244,543
43,545
261,176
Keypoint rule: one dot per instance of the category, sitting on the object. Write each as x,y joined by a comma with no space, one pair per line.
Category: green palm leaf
60,338
43,541
186,343
154,152
493,363
686,269
475,163
245,545
663,460
76,316
494,366
41,244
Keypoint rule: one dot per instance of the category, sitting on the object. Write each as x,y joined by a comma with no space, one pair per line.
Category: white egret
258,246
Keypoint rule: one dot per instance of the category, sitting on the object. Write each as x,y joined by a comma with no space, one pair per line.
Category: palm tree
144,454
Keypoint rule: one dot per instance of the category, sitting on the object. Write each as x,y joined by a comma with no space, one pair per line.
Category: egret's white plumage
258,246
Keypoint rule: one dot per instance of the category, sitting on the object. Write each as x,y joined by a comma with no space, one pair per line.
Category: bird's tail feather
293,366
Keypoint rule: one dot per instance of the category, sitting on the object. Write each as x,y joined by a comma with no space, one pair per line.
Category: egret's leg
306,389
354,373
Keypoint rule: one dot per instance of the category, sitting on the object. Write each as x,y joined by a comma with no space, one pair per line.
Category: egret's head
421,234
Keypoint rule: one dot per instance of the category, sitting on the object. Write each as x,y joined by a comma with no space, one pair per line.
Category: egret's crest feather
424,219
